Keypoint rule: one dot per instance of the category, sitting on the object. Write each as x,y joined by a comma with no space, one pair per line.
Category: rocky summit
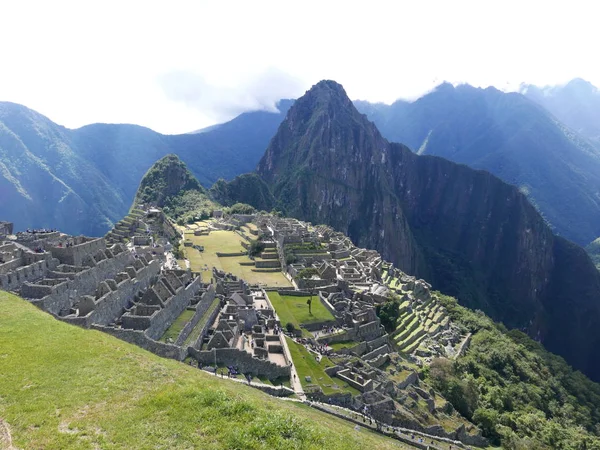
467,232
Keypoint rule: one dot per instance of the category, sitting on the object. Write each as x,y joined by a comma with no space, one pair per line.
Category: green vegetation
87,389
248,188
256,248
343,344
307,365
241,208
294,309
177,325
521,395
308,273
388,314
170,185
195,334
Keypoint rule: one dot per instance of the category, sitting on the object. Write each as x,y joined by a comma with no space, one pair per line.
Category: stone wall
30,273
242,360
274,391
205,301
6,228
173,308
110,306
140,339
377,352
61,296
76,254
210,320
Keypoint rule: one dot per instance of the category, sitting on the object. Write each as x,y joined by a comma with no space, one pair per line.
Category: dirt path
5,437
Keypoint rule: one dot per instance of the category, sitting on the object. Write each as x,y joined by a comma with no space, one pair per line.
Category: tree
308,273
256,248
388,314
309,303
242,208
290,327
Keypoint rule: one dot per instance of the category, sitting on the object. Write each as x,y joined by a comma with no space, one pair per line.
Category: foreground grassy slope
66,387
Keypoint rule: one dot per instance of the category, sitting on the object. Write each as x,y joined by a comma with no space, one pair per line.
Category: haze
180,66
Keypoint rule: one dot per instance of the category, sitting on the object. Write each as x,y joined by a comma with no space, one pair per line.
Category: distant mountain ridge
509,136
471,234
84,180
576,104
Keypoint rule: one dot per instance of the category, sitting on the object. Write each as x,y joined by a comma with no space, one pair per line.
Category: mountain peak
580,85
167,177
322,125
326,92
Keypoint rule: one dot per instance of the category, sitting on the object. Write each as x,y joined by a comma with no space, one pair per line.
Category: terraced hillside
129,225
89,390
419,322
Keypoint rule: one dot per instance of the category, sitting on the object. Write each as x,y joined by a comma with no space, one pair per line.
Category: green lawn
344,344
273,279
307,365
177,325
63,387
295,310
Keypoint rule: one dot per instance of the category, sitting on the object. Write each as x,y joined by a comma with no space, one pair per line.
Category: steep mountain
82,181
170,185
576,104
45,182
469,233
248,188
513,138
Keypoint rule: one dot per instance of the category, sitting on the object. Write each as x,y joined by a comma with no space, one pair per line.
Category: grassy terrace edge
66,387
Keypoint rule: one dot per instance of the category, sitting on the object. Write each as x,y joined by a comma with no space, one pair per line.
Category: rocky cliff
466,231
511,137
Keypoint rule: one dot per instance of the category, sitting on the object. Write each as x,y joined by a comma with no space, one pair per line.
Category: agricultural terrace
242,266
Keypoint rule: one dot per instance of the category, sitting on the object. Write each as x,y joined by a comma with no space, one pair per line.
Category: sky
178,66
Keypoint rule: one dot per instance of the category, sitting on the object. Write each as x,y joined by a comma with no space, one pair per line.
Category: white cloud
221,102
180,66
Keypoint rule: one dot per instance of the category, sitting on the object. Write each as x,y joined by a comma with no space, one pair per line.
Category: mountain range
511,137
84,180
466,231
576,104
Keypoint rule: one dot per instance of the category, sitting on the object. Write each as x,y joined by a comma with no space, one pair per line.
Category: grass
64,387
295,310
228,242
177,325
307,365
232,264
344,344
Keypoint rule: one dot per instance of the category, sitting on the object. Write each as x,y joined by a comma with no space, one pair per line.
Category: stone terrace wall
76,254
62,296
201,308
30,273
140,339
109,307
174,307
245,362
